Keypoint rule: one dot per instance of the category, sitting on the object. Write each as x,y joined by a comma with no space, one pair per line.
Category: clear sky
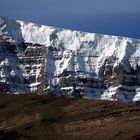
115,17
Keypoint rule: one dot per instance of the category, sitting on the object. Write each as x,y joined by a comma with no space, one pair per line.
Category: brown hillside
36,117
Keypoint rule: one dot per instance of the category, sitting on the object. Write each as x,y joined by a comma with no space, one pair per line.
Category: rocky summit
60,62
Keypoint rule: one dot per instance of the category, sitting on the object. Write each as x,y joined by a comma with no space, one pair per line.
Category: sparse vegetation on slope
37,117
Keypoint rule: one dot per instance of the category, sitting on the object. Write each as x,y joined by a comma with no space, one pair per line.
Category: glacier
61,62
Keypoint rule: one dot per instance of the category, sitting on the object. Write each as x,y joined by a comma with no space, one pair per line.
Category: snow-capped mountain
49,60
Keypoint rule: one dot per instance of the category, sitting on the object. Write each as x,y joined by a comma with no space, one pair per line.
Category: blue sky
115,17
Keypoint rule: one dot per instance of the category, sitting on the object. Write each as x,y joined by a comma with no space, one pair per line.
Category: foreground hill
37,117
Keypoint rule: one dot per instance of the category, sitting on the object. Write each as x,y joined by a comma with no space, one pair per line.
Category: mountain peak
64,62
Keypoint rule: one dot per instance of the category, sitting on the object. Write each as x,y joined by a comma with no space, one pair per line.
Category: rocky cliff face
48,60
